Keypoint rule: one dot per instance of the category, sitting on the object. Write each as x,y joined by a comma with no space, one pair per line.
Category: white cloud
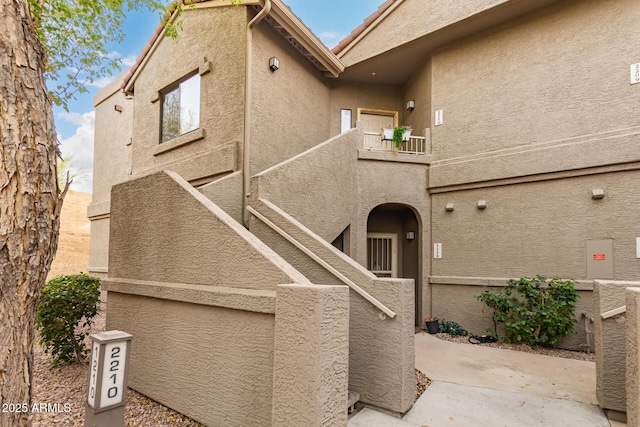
79,149
331,38
129,60
101,82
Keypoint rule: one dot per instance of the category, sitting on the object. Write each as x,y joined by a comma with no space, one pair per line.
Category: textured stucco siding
111,165
164,230
529,229
227,194
316,187
457,303
215,35
290,107
537,228
111,145
351,96
212,364
411,20
311,368
554,74
380,183
99,246
382,353
610,341
418,89
633,356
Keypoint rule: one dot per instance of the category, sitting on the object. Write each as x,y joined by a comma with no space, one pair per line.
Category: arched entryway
393,245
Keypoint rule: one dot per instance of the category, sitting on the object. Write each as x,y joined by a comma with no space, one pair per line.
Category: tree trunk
29,202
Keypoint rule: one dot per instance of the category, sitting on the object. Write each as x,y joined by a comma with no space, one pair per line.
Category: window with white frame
180,108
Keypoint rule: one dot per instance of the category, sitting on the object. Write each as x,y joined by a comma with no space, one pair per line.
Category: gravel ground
556,352
67,387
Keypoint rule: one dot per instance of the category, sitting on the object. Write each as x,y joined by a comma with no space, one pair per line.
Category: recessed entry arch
394,241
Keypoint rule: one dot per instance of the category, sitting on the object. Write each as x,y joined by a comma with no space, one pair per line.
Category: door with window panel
382,254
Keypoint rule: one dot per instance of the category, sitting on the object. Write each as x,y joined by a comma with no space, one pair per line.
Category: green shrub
452,328
65,301
533,311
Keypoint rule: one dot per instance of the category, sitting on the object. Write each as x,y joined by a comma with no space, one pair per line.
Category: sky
330,20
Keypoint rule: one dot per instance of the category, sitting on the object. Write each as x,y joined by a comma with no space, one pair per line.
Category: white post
107,391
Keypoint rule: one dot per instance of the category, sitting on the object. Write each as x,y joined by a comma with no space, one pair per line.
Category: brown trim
375,111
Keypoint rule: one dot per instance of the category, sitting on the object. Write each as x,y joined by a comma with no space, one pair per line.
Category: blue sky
330,20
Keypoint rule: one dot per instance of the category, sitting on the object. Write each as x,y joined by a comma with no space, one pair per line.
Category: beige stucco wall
633,356
610,342
528,229
413,19
311,356
164,230
418,89
212,364
317,186
405,183
111,165
554,74
537,227
290,107
351,96
216,35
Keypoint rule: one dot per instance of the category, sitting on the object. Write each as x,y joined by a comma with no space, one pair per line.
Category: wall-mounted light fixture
449,207
482,204
411,235
411,105
597,194
274,63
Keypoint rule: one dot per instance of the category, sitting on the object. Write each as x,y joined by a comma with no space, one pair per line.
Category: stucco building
523,160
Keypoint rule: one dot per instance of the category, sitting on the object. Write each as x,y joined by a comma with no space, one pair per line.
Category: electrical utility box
600,259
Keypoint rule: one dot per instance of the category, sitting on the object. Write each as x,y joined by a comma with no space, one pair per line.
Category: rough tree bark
29,200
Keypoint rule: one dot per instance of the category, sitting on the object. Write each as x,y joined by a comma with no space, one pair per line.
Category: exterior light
411,235
449,207
274,63
411,105
482,204
597,194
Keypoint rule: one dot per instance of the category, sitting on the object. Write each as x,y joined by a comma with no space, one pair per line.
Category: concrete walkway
474,385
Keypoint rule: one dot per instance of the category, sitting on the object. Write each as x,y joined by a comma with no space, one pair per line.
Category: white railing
415,145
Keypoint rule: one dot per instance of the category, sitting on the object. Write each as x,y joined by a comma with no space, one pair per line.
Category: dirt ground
73,244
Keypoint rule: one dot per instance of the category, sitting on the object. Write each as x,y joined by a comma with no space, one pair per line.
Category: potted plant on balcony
401,134
398,135
433,325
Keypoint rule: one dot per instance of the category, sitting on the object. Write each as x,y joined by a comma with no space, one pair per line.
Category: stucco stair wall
381,348
210,308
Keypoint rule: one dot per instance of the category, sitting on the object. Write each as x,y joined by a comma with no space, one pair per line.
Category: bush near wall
534,311
65,302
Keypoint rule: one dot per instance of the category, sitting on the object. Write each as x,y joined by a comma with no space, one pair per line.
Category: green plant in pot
400,135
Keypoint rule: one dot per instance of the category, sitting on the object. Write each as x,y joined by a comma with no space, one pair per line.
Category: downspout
246,144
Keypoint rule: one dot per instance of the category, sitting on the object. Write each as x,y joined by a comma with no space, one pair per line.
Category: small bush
65,301
533,313
452,328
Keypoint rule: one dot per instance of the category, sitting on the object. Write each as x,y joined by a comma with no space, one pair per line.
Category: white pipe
246,144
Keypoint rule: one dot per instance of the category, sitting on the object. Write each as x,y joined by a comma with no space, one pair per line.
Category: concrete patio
482,386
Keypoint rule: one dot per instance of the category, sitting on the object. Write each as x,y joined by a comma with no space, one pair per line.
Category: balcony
374,141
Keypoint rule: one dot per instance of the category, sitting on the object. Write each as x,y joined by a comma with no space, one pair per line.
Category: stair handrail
614,312
383,308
